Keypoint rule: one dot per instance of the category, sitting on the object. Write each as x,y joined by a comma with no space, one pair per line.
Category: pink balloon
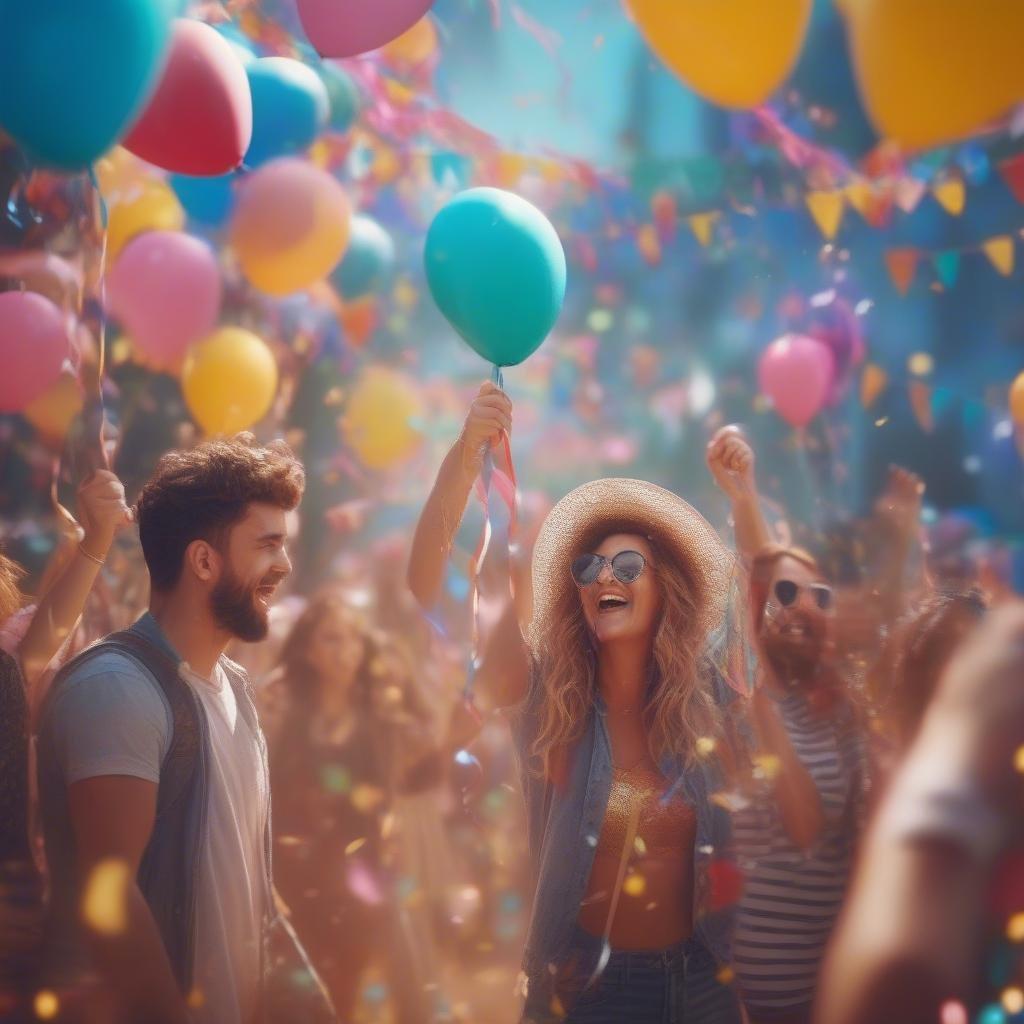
165,291
795,372
35,343
344,28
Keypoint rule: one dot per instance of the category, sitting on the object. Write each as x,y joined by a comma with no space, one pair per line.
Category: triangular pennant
648,244
859,195
872,383
702,224
902,265
827,210
920,395
947,266
1012,171
999,250
951,195
908,194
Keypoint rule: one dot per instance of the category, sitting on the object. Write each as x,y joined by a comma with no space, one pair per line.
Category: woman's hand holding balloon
489,417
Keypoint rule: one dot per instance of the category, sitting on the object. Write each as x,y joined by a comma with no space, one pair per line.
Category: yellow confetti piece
634,885
872,384
920,364
881,421
1018,759
104,906
600,320
702,225
1013,1000
366,798
640,846
196,999
767,766
1015,928
46,1005
725,976
356,844
705,746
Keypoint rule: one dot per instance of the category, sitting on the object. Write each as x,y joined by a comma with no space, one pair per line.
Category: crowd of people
760,781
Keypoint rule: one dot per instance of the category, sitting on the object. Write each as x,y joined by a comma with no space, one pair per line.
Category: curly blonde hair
680,708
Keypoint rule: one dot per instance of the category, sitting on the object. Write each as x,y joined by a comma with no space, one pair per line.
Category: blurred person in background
353,753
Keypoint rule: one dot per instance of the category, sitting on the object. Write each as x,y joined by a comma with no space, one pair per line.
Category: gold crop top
663,828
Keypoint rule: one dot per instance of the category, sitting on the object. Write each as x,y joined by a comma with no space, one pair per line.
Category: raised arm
488,418
731,461
102,511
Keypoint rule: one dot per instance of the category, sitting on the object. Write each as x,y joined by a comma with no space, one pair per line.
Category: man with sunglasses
797,814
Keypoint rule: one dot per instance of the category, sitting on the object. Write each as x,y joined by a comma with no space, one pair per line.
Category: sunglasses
626,567
788,592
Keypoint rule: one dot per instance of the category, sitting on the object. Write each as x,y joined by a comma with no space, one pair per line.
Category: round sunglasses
788,592
626,567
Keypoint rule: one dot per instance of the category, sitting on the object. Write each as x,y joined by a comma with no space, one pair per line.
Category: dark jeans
678,985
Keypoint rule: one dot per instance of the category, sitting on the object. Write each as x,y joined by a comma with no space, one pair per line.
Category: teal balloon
289,108
368,259
342,95
496,269
74,74
207,201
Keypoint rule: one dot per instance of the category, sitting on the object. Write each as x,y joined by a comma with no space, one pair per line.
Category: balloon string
504,480
99,409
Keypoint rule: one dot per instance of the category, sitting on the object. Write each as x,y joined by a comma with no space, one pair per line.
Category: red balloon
345,28
35,343
199,120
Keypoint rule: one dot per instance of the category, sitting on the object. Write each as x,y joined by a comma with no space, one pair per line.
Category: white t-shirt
106,723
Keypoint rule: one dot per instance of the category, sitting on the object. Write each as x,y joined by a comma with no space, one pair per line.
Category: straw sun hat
633,506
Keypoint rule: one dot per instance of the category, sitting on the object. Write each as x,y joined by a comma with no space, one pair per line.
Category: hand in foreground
731,462
102,511
489,417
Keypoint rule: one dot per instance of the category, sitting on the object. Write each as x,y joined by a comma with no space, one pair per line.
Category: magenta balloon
344,28
35,343
165,291
795,372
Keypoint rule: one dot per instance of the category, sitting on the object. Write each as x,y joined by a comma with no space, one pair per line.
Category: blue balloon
289,108
75,74
208,201
367,261
343,96
496,269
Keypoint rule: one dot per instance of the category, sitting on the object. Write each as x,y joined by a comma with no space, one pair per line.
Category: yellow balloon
379,422
413,46
117,171
229,380
933,71
1017,400
290,226
735,53
53,412
149,205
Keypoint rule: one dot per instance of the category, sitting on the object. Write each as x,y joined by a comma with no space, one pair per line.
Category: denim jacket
564,822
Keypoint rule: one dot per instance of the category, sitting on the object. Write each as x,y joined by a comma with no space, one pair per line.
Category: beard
236,609
794,659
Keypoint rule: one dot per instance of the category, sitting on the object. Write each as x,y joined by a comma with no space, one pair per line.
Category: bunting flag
951,195
703,224
908,194
920,395
872,383
999,251
648,244
859,194
1012,172
947,266
902,265
827,210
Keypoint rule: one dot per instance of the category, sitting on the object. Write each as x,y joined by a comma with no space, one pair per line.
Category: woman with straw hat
615,722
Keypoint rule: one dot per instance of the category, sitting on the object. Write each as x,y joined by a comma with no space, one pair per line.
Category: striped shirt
791,897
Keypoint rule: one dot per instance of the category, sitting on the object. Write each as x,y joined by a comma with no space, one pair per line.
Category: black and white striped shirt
791,897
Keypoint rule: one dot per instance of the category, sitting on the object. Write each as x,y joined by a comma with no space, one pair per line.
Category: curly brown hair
203,492
10,594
